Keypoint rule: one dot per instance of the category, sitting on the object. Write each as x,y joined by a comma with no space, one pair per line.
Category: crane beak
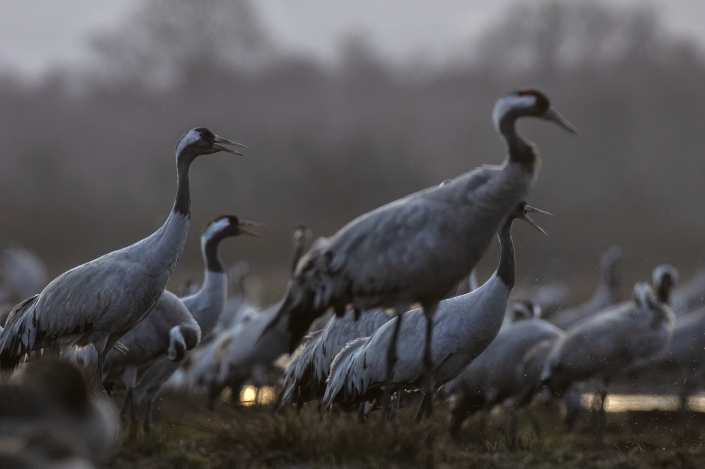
554,116
220,140
528,209
246,228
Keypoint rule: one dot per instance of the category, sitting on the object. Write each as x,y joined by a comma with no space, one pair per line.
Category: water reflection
251,395
643,402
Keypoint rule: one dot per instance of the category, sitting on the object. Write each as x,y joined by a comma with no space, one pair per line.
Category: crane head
664,278
227,226
525,309
301,235
643,295
201,141
529,103
522,211
181,340
665,275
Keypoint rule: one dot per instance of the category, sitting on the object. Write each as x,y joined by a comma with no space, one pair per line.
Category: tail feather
20,334
298,374
339,377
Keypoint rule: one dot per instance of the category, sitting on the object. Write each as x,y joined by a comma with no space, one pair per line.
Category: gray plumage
529,376
690,295
684,353
686,350
305,377
607,292
241,352
202,309
383,258
463,327
492,377
168,331
236,355
236,306
208,303
100,301
610,342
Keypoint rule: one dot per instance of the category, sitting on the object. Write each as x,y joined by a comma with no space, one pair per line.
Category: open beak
224,141
246,228
556,117
528,209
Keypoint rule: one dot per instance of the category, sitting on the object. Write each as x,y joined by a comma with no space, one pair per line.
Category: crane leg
422,409
391,361
534,422
128,402
149,415
456,423
598,418
571,401
429,311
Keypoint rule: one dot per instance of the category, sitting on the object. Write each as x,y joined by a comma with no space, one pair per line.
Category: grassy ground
255,437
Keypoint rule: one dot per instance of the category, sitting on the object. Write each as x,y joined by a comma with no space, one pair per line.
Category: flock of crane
113,317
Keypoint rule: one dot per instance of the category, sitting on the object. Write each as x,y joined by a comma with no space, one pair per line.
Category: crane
607,344
98,302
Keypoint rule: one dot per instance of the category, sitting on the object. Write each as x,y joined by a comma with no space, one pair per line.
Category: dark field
187,436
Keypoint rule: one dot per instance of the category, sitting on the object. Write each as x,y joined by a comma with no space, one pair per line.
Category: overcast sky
36,34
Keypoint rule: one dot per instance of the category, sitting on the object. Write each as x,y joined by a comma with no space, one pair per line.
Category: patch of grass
256,437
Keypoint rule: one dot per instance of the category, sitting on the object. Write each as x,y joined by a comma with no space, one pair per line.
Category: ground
187,436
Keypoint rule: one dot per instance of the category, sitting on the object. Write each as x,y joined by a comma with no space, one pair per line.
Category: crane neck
609,278
298,253
182,204
211,258
506,268
520,150
663,294
167,243
206,305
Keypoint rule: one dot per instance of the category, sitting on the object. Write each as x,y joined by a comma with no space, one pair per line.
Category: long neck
520,150
506,268
298,252
209,301
167,243
182,204
664,292
609,280
209,249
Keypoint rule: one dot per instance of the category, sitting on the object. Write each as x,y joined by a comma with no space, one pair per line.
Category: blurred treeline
87,155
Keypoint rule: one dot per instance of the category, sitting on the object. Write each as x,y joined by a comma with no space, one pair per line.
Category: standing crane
417,248
98,302
608,344
464,327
